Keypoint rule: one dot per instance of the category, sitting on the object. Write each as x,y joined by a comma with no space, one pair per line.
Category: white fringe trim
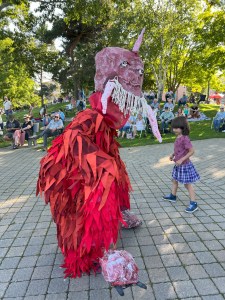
128,102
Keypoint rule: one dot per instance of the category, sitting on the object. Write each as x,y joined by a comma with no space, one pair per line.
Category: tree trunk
160,87
208,88
42,94
161,80
76,86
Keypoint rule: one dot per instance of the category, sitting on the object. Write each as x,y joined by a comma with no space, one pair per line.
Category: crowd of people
18,132
136,125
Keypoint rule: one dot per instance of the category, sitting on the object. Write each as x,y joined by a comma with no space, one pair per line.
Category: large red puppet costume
82,176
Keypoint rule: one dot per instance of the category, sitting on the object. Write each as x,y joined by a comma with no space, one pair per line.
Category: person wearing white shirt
7,106
139,125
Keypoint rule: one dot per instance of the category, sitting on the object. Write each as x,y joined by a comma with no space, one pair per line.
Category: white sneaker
223,131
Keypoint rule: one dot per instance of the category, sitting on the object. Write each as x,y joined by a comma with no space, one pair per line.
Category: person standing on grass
7,107
184,171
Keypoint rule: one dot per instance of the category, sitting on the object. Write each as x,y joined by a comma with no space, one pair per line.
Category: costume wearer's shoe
170,198
192,207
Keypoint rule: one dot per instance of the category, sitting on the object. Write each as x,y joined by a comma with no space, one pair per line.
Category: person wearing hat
166,117
219,118
52,129
24,133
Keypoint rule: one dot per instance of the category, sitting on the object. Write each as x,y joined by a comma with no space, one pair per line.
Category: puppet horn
138,42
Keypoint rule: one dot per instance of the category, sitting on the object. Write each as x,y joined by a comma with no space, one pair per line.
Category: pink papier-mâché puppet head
124,64
119,75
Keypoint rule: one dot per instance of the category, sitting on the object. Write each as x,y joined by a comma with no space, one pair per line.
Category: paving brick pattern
180,256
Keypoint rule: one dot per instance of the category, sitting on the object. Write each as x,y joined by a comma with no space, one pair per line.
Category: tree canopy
183,43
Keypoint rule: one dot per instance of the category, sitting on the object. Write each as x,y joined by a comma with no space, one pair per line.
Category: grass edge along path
199,130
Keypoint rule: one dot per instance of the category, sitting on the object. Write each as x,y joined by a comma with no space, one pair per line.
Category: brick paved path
180,256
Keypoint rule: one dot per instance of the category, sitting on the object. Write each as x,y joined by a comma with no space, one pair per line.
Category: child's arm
191,151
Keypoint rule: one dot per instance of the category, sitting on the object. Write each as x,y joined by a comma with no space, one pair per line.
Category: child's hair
182,123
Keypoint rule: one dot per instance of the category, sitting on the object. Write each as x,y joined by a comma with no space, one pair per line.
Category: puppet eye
124,64
141,72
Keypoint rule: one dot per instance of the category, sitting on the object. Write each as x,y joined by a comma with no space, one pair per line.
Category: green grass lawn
199,130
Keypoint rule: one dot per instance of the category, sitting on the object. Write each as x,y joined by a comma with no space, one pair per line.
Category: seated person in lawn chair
139,126
24,133
180,113
27,127
219,119
166,118
194,112
54,128
11,126
127,128
169,104
186,111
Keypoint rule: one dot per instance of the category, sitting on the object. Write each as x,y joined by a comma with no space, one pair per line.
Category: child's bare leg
174,187
191,191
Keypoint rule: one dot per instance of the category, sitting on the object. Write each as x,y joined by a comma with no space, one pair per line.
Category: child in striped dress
184,171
